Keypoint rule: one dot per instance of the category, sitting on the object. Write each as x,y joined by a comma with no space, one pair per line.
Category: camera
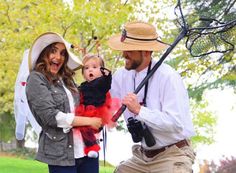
139,131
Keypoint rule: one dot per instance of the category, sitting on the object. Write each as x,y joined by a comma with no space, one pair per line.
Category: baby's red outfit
95,101
88,133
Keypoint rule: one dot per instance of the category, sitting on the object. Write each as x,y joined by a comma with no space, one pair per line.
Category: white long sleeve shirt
167,111
64,120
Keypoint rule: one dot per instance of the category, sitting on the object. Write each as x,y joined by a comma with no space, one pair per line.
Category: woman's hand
94,122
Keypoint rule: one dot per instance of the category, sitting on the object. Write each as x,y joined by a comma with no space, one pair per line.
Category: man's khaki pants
172,160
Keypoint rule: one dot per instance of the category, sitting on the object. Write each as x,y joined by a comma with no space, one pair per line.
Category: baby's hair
94,57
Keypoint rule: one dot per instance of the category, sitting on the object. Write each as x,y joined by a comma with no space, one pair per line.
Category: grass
19,165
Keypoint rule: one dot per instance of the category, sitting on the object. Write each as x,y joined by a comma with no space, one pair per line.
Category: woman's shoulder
34,75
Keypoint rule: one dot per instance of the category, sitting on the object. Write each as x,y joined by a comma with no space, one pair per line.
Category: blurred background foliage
80,20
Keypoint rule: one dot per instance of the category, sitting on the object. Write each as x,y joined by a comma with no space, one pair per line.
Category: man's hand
132,103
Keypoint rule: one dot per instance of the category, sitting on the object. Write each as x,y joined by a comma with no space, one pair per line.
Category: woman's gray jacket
45,101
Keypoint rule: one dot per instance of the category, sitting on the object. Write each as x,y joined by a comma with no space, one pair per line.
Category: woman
52,95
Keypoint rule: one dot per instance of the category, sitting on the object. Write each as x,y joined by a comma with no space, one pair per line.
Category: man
162,105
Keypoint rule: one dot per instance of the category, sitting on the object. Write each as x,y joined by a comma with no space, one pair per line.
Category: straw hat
46,39
137,36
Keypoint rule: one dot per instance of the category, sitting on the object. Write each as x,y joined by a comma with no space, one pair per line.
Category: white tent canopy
22,112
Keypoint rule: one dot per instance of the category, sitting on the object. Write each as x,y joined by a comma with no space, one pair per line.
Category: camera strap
145,132
143,103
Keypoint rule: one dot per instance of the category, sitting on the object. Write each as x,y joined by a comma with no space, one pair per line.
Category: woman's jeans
82,165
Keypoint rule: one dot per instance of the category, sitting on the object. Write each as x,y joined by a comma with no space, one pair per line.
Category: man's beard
133,64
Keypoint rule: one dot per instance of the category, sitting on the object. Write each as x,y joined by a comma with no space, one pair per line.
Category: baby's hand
105,71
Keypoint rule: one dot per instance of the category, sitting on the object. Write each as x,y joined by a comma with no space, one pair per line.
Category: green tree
199,74
22,21
214,71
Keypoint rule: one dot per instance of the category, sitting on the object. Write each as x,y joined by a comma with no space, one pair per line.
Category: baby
95,100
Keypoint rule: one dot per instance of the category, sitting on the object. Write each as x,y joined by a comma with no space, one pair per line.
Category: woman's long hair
42,65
